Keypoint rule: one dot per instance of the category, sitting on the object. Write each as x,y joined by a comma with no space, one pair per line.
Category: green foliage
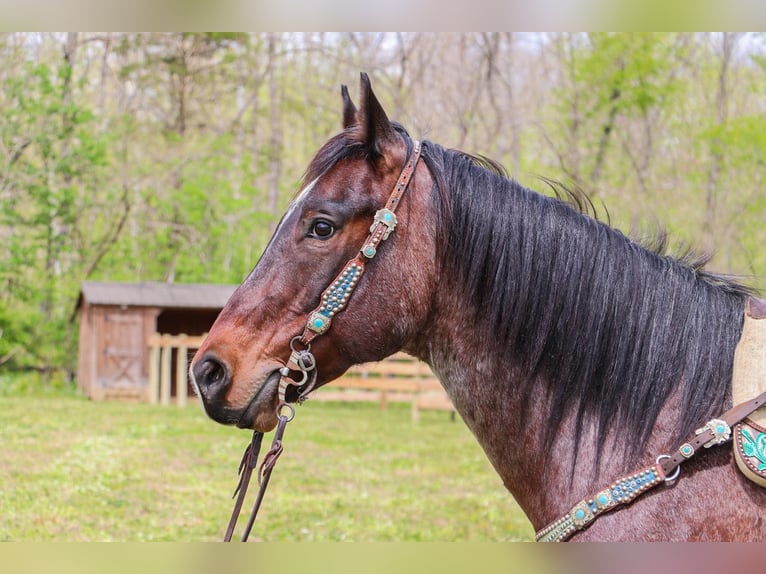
59,159
615,81
741,139
152,156
628,72
15,337
669,129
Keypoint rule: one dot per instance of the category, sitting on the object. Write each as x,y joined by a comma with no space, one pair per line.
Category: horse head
237,369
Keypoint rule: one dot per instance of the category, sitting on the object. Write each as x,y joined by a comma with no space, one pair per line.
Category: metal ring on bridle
298,338
281,413
675,474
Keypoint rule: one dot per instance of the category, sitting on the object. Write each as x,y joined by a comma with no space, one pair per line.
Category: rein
333,300
666,470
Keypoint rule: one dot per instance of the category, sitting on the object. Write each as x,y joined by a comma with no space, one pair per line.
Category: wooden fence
400,378
164,352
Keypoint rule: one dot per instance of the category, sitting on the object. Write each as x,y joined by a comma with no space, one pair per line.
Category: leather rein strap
667,469
332,301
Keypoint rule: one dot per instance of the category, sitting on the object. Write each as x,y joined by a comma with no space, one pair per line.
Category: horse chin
260,414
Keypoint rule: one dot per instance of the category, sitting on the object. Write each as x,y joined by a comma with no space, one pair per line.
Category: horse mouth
263,399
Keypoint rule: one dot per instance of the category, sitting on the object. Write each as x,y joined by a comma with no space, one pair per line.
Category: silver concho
720,430
385,217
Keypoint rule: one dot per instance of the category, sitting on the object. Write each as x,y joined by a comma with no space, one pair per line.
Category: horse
573,353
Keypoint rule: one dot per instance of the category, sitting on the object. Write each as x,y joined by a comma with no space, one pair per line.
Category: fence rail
400,378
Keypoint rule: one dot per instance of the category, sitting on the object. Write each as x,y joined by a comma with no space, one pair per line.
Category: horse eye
322,229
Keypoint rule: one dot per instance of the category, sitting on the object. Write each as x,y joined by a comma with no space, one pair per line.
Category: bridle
302,362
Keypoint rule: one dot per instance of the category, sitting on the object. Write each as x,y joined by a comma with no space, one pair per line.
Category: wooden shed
119,325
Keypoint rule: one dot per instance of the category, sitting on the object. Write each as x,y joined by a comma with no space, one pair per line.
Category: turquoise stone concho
720,429
387,218
604,499
369,250
318,322
686,450
335,298
581,514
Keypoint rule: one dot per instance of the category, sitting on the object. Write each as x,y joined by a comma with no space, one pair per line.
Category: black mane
611,324
614,326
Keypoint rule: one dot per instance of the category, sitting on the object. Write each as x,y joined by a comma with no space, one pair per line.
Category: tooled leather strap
249,462
337,294
625,490
713,433
265,474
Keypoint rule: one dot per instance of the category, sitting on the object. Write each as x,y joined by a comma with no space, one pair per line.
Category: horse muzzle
215,386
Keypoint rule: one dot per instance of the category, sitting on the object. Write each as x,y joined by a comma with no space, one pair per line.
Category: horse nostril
209,372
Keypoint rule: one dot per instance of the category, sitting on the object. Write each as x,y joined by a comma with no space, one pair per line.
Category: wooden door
122,348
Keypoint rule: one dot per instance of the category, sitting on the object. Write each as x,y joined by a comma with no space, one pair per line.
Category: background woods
172,156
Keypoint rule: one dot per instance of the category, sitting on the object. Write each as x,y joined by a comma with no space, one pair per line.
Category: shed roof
155,294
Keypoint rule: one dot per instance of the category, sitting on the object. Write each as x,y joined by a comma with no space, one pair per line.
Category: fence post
154,372
165,381
181,371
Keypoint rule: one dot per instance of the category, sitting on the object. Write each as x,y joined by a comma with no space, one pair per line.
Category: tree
171,156
53,227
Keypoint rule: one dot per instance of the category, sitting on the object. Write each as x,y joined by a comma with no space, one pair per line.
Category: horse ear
349,109
375,129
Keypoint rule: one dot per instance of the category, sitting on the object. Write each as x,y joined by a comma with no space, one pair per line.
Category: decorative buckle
720,429
385,217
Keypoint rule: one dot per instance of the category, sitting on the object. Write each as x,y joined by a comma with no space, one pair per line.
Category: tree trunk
728,43
275,135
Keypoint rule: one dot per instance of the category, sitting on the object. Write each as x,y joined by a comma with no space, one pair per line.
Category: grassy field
74,470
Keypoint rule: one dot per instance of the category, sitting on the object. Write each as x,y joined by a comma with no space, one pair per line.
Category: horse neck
504,369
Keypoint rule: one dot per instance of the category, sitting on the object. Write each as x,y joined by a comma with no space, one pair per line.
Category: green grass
75,470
